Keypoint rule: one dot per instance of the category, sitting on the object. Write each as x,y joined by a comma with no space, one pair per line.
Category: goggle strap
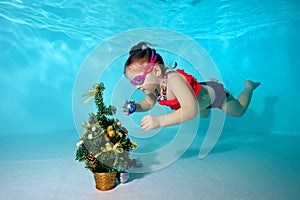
153,57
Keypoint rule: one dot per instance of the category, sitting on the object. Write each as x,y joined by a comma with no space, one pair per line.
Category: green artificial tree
104,145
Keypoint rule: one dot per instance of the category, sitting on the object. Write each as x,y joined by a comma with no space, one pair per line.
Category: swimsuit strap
163,89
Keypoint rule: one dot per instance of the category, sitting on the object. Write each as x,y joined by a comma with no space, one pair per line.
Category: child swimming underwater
180,91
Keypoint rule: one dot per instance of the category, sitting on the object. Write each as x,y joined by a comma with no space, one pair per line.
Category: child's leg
237,107
205,113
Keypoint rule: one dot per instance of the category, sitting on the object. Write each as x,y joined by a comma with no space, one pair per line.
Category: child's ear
157,71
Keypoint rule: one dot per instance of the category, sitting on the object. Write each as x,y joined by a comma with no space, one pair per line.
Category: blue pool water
45,43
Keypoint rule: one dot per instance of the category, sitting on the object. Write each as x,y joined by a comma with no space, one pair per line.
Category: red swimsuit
193,84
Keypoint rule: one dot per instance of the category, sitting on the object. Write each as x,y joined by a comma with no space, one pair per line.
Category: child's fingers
123,110
122,106
146,123
145,127
143,122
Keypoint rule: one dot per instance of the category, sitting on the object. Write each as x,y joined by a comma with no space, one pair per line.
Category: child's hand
125,111
150,122
128,107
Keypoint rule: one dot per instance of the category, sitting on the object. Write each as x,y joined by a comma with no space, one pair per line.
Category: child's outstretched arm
176,84
146,104
143,105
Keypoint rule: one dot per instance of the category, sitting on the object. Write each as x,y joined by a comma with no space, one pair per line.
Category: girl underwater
180,91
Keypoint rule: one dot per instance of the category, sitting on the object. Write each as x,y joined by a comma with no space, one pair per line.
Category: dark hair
142,53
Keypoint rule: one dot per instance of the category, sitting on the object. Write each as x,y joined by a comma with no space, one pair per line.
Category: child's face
150,82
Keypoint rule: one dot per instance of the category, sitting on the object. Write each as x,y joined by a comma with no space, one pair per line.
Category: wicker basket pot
105,181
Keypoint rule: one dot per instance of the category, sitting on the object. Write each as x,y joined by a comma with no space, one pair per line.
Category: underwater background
45,43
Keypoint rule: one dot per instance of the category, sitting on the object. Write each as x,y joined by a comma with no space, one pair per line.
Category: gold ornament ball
119,134
109,128
111,133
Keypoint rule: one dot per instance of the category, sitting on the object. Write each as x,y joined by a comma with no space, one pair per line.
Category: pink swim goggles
140,79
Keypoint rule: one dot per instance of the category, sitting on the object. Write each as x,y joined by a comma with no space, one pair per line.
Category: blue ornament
130,106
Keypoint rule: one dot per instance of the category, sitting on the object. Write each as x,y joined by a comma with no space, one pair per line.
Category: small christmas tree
104,145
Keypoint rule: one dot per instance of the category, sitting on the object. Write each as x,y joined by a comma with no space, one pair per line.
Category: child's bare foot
251,85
